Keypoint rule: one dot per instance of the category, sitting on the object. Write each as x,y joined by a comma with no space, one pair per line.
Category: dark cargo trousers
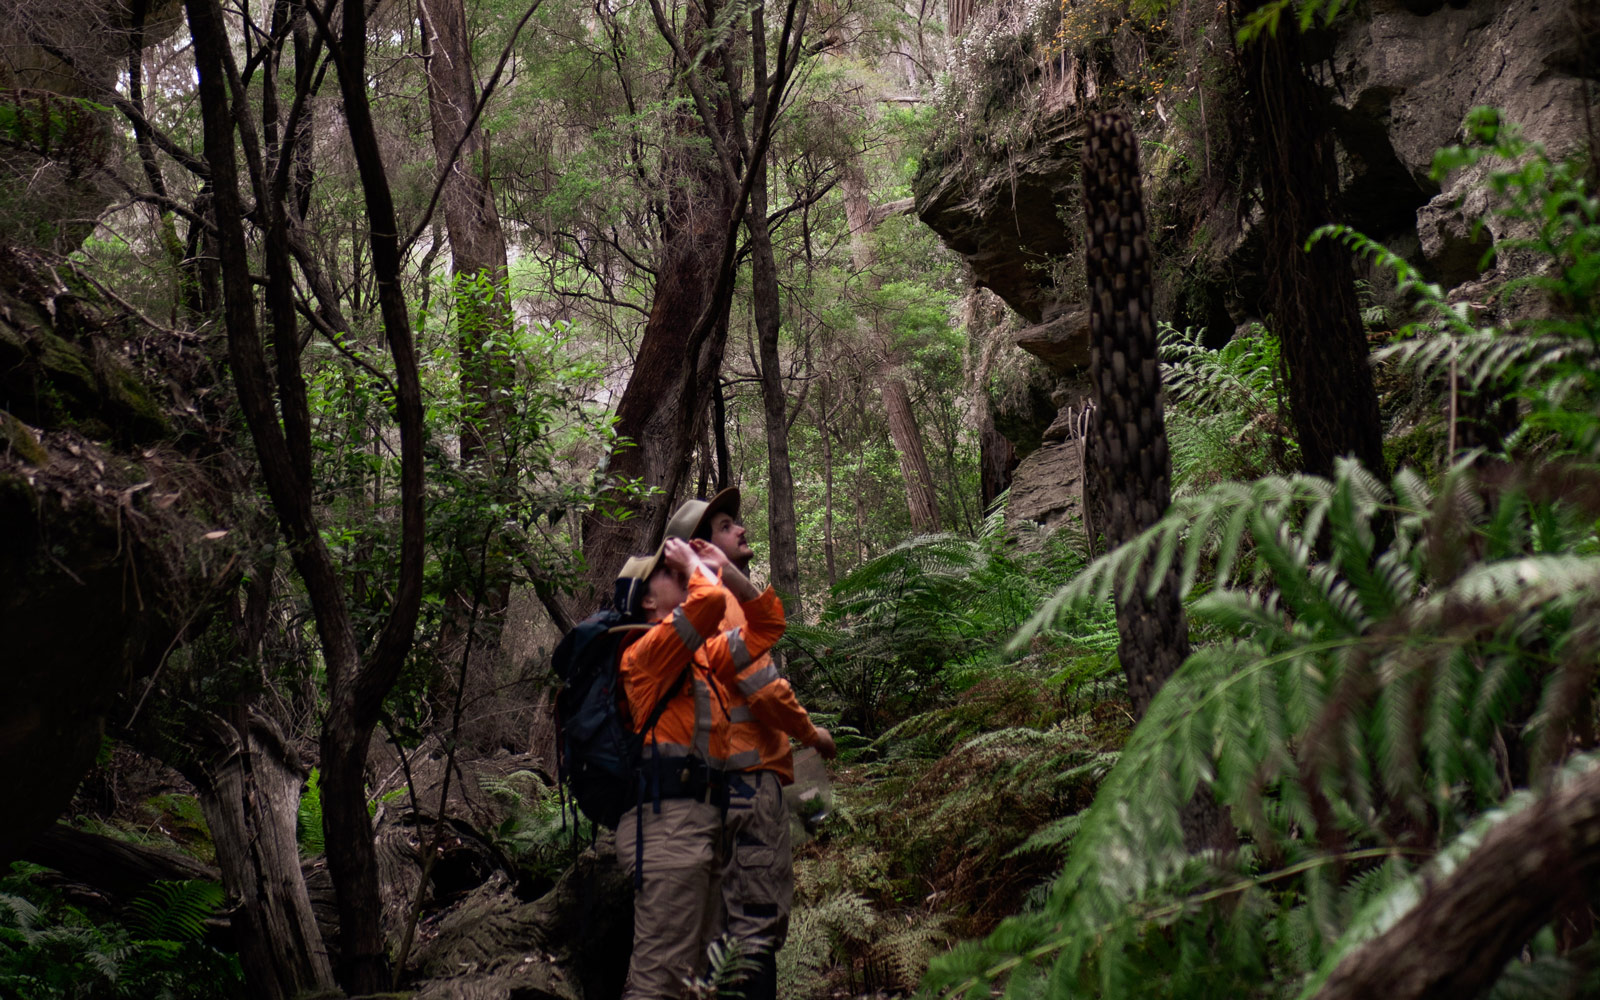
675,908
758,874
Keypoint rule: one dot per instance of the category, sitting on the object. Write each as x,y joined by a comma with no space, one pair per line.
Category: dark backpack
598,750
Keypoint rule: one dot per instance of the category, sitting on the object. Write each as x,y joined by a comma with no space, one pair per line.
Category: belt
683,778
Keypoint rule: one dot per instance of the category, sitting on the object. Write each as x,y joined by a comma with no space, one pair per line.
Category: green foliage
175,911
930,836
1389,662
537,833
918,622
822,934
52,950
1267,18
1225,409
308,820
1349,722
50,123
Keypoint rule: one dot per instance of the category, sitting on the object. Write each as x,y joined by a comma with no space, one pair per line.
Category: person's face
664,591
729,535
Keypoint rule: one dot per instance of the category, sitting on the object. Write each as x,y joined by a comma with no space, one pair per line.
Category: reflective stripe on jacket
695,721
762,707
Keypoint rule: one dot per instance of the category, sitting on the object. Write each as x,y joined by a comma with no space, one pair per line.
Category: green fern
1349,722
906,950
51,950
1225,410
308,820
174,911
916,625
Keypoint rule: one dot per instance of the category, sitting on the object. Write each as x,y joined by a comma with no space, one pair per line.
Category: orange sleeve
764,622
775,704
771,699
656,658
732,652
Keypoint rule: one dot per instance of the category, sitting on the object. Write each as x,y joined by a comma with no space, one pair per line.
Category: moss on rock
16,438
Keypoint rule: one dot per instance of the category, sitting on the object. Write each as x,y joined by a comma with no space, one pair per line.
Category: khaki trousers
758,874
675,910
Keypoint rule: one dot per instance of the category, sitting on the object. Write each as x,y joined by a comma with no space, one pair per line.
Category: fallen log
1458,938
115,868
569,944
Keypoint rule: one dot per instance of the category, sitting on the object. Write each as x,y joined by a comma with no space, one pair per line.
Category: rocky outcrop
1399,75
1011,224
1408,72
1009,220
110,550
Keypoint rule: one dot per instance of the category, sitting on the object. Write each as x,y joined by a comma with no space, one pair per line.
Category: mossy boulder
60,361
104,560
17,439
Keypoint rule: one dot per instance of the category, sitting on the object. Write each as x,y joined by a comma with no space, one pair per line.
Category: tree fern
1349,723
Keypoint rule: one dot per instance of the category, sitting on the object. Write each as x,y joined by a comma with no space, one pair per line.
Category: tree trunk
921,496
827,486
1312,294
862,549
251,800
1458,937
672,378
903,429
1131,462
114,867
997,459
477,243
483,317
785,551
356,689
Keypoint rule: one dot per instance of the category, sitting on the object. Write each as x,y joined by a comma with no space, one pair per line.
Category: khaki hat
631,581
694,516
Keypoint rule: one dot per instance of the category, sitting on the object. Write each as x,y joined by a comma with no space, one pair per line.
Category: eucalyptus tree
681,349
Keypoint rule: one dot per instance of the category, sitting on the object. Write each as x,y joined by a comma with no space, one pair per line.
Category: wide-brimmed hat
694,516
633,578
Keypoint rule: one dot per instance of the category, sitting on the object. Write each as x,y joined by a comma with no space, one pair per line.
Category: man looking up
763,712
676,678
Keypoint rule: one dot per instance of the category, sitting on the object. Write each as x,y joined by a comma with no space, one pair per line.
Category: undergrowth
53,949
947,803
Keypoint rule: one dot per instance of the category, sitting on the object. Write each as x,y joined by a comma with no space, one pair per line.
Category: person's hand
682,558
824,744
678,556
714,557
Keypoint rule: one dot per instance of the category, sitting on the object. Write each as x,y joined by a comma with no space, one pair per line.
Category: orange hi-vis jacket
695,721
762,707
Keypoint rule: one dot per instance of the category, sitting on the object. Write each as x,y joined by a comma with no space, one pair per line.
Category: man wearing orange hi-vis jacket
676,678
757,883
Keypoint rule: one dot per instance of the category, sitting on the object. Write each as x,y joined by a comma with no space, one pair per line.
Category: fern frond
175,911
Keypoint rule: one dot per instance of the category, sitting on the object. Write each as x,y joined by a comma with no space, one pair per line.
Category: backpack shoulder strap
666,697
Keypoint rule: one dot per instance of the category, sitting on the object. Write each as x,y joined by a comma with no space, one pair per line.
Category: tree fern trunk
1129,435
1132,467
